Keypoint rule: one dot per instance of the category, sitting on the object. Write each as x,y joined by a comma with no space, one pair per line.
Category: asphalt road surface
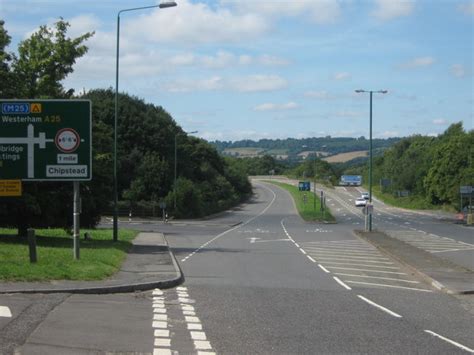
259,280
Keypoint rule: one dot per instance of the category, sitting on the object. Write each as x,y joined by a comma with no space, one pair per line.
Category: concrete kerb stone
125,288
428,279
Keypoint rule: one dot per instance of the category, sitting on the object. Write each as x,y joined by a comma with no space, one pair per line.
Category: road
271,284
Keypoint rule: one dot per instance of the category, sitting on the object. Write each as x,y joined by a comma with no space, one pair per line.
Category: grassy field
99,257
243,152
307,210
344,157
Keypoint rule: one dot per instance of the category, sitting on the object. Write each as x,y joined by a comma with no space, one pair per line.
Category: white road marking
195,335
341,283
303,251
234,228
160,324
162,352
348,255
194,326
162,333
358,264
450,341
323,268
310,258
379,271
376,277
162,317
379,307
191,319
385,285
159,310
342,257
5,312
202,345
162,342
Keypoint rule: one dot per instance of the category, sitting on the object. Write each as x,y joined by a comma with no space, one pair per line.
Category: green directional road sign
45,140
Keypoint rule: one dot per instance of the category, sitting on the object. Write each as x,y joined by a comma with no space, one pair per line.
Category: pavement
149,264
441,273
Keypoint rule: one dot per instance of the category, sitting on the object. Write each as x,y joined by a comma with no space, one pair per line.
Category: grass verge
309,210
99,258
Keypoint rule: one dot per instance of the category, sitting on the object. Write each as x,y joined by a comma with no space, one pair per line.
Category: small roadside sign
10,188
304,186
466,190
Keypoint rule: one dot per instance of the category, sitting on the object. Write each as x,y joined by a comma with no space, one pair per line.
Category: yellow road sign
35,108
10,188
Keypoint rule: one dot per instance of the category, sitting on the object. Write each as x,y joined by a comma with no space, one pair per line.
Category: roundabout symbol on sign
67,140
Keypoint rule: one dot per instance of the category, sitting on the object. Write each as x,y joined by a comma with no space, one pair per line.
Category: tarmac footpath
440,273
149,264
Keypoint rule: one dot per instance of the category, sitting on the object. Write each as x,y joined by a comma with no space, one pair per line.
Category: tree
45,59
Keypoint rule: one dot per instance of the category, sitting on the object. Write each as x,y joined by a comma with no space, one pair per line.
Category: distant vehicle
360,202
365,195
350,180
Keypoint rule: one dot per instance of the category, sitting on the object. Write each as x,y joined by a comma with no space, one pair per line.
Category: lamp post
162,5
176,163
371,92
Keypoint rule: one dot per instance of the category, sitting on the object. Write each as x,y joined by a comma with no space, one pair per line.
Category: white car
365,195
360,202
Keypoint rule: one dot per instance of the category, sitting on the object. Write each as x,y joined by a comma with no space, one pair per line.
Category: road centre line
341,283
383,272
379,307
376,277
391,286
449,341
234,228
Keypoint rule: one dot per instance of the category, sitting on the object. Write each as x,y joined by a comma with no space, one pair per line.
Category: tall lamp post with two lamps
162,5
371,92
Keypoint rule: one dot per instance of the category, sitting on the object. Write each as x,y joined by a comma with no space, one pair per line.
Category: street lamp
162,5
370,149
176,163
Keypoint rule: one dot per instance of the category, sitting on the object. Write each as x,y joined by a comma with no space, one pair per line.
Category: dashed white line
376,277
450,341
379,307
341,283
310,258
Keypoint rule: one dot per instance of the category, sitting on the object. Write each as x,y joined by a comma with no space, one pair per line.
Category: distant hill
293,149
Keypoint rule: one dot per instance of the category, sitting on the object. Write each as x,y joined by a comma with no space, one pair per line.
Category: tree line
206,182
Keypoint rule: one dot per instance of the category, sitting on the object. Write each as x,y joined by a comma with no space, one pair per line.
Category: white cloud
254,83
321,95
458,70
390,9
467,8
418,62
320,12
440,122
193,23
82,24
341,76
251,83
276,107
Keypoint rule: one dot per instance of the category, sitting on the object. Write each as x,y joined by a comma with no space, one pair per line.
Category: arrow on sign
5,312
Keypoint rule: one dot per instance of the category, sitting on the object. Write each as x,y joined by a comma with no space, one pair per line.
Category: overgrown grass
309,211
100,257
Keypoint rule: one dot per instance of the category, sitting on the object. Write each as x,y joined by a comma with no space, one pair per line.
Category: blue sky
239,69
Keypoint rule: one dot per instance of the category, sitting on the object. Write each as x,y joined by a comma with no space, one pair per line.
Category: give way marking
5,312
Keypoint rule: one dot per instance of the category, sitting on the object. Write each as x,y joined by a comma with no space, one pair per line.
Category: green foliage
257,166
431,169
45,59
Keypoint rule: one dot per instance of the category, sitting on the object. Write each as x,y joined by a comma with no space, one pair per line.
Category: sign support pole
76,214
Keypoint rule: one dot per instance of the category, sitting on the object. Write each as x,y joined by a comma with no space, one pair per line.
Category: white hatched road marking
430,242
341,283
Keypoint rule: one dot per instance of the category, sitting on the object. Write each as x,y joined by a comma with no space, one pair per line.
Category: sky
241,69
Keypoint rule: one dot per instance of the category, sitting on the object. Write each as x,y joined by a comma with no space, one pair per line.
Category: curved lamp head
165,4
